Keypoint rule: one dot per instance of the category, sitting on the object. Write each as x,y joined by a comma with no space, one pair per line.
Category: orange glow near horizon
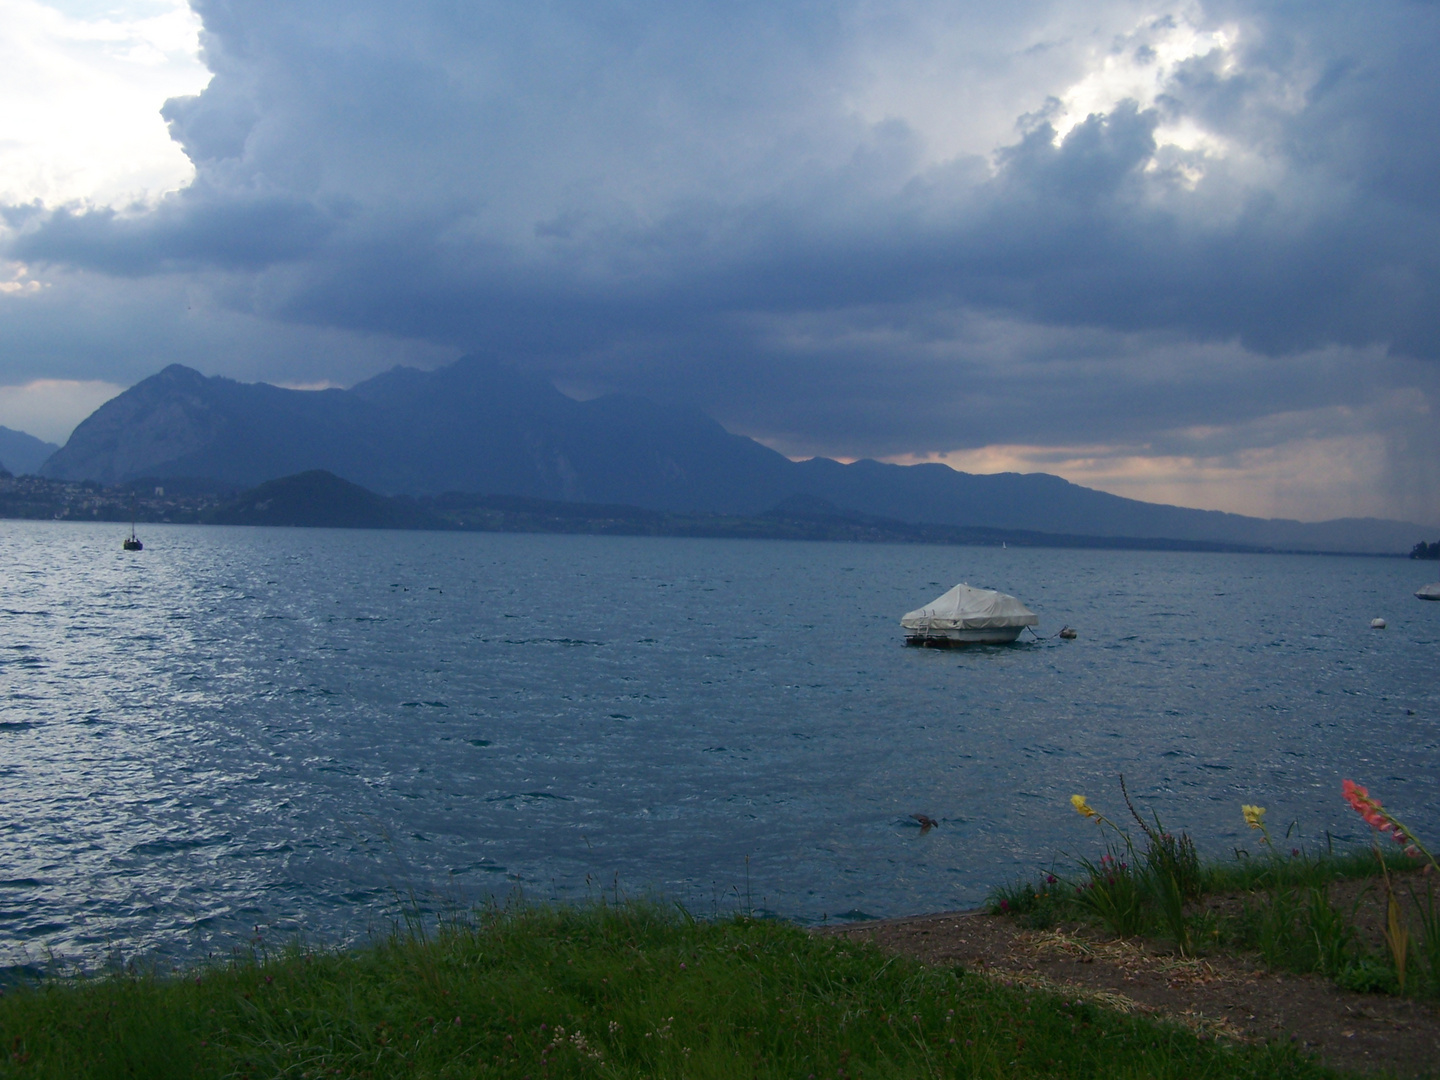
1308,479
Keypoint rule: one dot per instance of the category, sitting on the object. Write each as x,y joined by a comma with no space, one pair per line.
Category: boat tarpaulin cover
964,608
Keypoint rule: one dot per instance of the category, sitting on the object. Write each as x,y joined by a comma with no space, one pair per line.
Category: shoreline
302,502
639,988
1222,1000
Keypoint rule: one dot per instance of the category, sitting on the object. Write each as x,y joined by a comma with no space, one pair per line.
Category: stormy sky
1182,252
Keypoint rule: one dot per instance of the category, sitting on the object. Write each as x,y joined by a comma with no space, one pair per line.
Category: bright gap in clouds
1137,67
81,86
1314,479
49,409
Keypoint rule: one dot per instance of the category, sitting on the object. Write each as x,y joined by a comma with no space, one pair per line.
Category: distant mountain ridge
480,426
473,426
22,453
322,499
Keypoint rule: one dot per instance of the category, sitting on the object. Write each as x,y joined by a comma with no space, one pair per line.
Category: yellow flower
1254,816
1082,807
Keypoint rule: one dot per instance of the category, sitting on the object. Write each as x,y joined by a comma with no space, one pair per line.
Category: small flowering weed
1285,909
1395,932
1114,891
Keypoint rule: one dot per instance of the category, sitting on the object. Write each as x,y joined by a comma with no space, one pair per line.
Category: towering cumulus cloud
1179,251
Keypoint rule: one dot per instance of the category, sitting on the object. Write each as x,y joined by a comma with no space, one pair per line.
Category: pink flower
1374,814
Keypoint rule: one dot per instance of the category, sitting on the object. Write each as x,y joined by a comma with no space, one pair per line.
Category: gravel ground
1227,996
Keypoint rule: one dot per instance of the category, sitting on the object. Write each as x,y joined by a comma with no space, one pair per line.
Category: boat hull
1429,592
950,639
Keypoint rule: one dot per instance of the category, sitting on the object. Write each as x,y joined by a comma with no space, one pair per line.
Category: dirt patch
1225,996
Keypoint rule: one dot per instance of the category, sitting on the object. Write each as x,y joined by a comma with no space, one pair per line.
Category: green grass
1285,913
600,991
1055,895
1300,869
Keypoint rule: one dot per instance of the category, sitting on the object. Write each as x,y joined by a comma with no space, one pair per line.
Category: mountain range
321,499
481,426
22,453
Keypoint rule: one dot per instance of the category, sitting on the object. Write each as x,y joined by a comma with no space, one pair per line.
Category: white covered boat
967,616
1430,592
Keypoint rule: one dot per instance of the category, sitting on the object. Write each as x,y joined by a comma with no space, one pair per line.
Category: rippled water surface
287,729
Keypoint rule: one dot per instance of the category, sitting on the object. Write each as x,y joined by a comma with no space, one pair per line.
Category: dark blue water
290,728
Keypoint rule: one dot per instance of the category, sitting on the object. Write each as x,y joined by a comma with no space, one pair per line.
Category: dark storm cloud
192,229
686,199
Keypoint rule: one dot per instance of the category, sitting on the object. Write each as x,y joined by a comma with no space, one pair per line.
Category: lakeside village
36,498
191,501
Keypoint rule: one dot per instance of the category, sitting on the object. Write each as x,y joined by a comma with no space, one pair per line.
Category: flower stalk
1384,822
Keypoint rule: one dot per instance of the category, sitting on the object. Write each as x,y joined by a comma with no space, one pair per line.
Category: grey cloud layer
696,198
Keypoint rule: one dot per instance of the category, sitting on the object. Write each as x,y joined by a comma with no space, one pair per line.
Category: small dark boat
132,542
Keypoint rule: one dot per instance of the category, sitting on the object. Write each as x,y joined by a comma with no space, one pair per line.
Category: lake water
290,729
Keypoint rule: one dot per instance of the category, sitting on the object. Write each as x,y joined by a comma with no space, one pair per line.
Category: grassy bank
1290,906
631,991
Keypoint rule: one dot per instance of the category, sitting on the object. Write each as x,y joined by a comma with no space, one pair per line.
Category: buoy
1377,624
1067,633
